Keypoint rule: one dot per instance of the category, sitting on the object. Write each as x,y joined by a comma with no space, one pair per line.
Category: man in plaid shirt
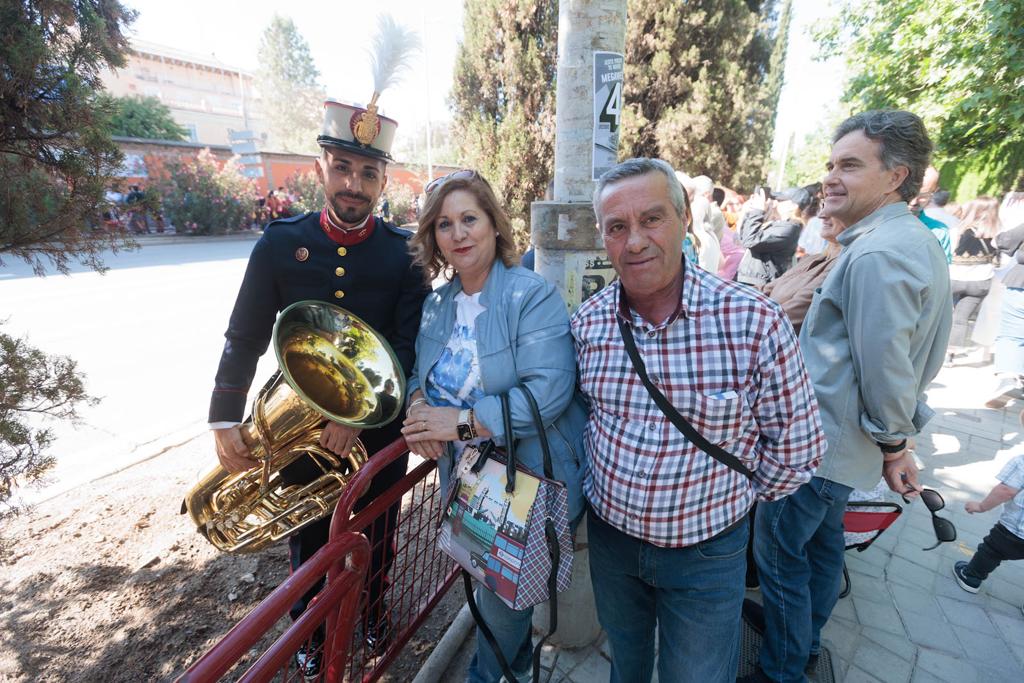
667,522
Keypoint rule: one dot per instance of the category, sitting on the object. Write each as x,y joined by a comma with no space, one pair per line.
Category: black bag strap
550,536
510,448
538,422
682,424
467,582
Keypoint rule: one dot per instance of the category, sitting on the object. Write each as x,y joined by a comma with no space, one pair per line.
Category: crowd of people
276,204
742,356
759,240
132,212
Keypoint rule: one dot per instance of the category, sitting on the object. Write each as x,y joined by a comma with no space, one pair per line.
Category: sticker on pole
586,274
607,110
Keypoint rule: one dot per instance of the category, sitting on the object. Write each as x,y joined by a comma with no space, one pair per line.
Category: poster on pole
586,274
607,110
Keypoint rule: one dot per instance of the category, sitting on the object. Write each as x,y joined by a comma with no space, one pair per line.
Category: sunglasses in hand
945,532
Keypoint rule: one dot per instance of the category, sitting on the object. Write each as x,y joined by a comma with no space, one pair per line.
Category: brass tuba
331,365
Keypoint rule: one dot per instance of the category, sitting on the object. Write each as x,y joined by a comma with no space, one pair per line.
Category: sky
810,86
339,35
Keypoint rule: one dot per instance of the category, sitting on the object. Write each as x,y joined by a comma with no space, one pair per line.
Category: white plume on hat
394,46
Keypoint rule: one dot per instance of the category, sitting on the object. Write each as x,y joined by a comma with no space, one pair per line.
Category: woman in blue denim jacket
493,327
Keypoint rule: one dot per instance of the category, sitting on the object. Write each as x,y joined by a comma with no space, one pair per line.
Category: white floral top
454,380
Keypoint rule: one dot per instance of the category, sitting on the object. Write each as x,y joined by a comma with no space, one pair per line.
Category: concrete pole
568,247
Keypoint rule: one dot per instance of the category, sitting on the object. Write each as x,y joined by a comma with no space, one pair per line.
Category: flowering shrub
309,194
403,203
203,197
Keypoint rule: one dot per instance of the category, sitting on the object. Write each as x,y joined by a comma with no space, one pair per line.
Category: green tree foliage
142,117
56,155
289,82
203,197
503,98
701,85
33,387
959,64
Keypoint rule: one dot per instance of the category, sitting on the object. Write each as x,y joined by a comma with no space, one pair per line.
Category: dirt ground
108,582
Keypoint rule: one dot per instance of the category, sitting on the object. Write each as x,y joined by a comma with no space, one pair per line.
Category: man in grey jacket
872,341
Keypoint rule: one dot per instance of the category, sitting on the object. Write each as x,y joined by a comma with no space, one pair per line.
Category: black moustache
346,195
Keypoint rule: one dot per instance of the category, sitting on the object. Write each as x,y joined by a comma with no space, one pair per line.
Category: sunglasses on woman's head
945,532
464,174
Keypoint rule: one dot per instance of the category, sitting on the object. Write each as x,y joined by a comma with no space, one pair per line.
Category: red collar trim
346,237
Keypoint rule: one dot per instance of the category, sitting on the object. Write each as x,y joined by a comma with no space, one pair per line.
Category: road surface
147,335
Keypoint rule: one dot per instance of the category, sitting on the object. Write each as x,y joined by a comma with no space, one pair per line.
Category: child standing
1005,541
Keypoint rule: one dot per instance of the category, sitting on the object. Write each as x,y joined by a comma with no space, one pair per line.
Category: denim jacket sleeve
412,383
545,361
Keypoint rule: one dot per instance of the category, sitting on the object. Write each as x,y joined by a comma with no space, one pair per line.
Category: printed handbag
498,518
509,529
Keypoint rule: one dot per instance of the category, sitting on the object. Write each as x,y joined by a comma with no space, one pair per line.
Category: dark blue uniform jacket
376,279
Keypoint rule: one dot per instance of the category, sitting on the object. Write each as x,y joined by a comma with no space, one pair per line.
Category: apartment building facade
209,98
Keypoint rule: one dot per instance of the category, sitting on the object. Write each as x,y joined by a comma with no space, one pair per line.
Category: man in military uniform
345,256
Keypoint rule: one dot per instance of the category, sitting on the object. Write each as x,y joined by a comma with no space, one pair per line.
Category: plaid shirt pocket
722,419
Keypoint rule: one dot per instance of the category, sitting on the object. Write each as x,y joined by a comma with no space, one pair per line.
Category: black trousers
303,544
967,298
1000,544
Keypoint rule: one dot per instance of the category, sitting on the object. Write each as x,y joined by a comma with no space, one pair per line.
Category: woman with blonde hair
494,326
973,266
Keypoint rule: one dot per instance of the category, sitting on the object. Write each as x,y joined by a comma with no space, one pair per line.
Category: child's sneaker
968,583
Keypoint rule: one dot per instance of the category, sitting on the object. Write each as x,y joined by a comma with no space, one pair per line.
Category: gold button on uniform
342,251
339,294
339,271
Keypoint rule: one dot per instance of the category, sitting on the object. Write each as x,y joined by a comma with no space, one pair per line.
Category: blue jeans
693,595
512,629
799,546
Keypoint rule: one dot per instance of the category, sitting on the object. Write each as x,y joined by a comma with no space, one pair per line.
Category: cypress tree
56,155
701,84
504,99
289,81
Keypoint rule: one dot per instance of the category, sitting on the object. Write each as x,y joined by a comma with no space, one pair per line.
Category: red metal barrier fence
344,560
420,574
416,580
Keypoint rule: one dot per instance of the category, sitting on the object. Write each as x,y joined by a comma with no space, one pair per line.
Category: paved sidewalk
906,619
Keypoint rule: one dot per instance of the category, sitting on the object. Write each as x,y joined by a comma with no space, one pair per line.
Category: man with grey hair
700,404
873,339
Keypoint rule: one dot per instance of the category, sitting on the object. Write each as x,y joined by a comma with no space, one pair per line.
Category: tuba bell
331,365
